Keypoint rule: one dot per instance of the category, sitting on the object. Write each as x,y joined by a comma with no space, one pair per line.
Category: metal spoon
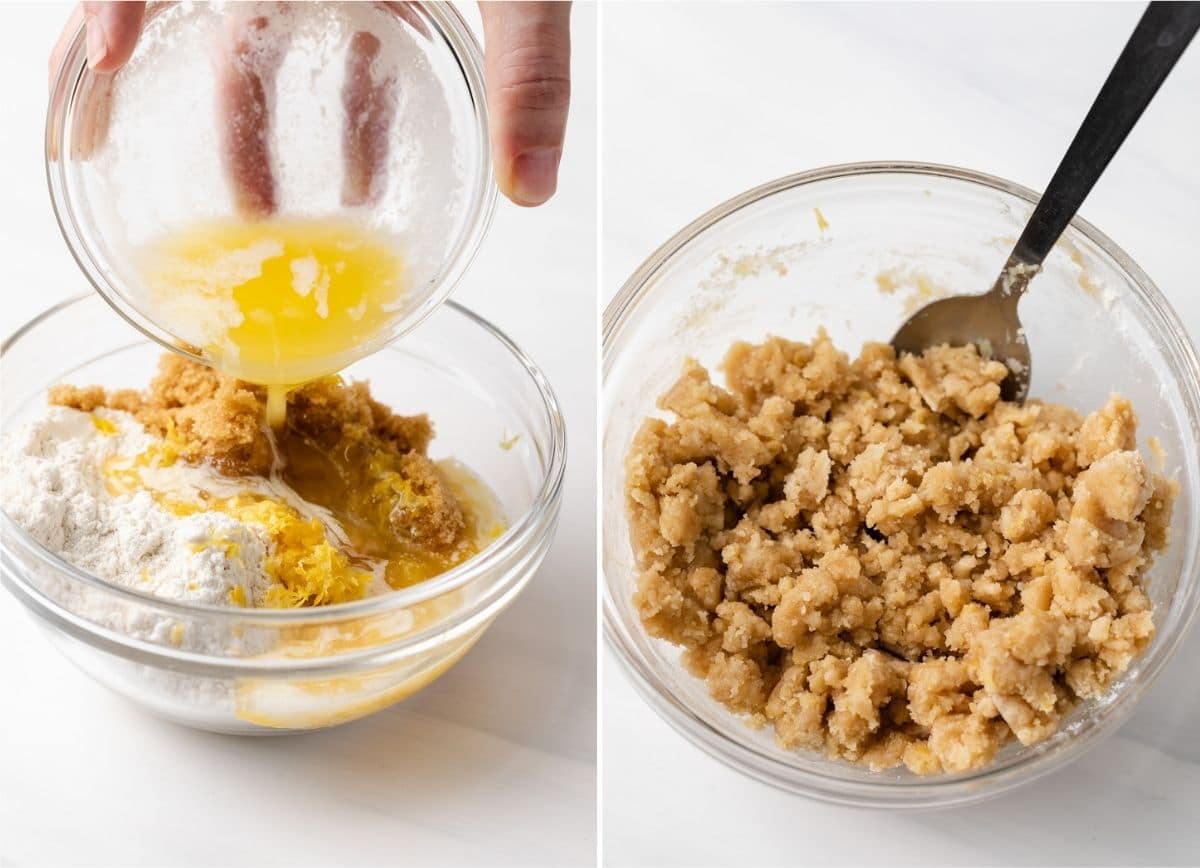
990,320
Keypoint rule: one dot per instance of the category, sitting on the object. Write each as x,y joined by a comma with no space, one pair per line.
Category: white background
701,102
494,763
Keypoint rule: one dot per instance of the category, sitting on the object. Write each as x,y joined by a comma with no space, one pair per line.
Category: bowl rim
68,80
521,533
920,792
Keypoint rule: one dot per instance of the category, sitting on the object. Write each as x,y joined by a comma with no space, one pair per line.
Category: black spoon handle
1157,42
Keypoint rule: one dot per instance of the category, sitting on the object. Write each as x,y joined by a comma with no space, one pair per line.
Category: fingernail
97,44
535,175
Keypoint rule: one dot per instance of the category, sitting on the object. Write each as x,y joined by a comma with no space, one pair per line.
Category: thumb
112,32
527,59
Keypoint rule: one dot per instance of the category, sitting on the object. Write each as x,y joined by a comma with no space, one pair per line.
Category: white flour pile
53,485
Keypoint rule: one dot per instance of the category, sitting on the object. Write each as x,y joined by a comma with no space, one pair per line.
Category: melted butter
276,406
312,703
278,301
361,490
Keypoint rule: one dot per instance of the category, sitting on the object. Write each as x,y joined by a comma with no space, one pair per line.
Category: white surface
493,764
701,102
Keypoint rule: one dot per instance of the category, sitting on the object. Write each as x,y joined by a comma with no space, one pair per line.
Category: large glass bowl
271,670
134,156
854,249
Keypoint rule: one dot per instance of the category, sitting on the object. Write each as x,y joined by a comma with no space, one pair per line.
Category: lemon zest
104,426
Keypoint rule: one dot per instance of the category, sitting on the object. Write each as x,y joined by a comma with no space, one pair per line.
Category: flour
53,485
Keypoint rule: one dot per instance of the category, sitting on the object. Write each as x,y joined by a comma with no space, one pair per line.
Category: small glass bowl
855,248
274,670
134,155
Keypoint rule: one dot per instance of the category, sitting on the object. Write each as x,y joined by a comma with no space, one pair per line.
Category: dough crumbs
883,560
339,448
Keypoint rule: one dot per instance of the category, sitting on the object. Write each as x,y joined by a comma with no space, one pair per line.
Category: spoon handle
1159,39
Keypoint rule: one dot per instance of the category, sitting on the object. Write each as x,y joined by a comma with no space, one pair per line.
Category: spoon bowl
990,320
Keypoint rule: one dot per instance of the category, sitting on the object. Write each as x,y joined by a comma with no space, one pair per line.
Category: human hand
527,50
527,64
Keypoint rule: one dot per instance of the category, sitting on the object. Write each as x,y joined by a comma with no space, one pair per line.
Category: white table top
493,764
700,102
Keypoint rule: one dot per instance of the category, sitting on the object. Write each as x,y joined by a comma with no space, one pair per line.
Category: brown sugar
883,560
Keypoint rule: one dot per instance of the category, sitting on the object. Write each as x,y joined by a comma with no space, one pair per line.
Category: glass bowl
271,670
855,248
135,156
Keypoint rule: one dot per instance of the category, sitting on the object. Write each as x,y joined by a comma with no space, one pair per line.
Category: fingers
112,33
527,56
64,41
247,58
368,106
91,130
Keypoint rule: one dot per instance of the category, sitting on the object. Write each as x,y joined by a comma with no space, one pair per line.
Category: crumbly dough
339,448
883,560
